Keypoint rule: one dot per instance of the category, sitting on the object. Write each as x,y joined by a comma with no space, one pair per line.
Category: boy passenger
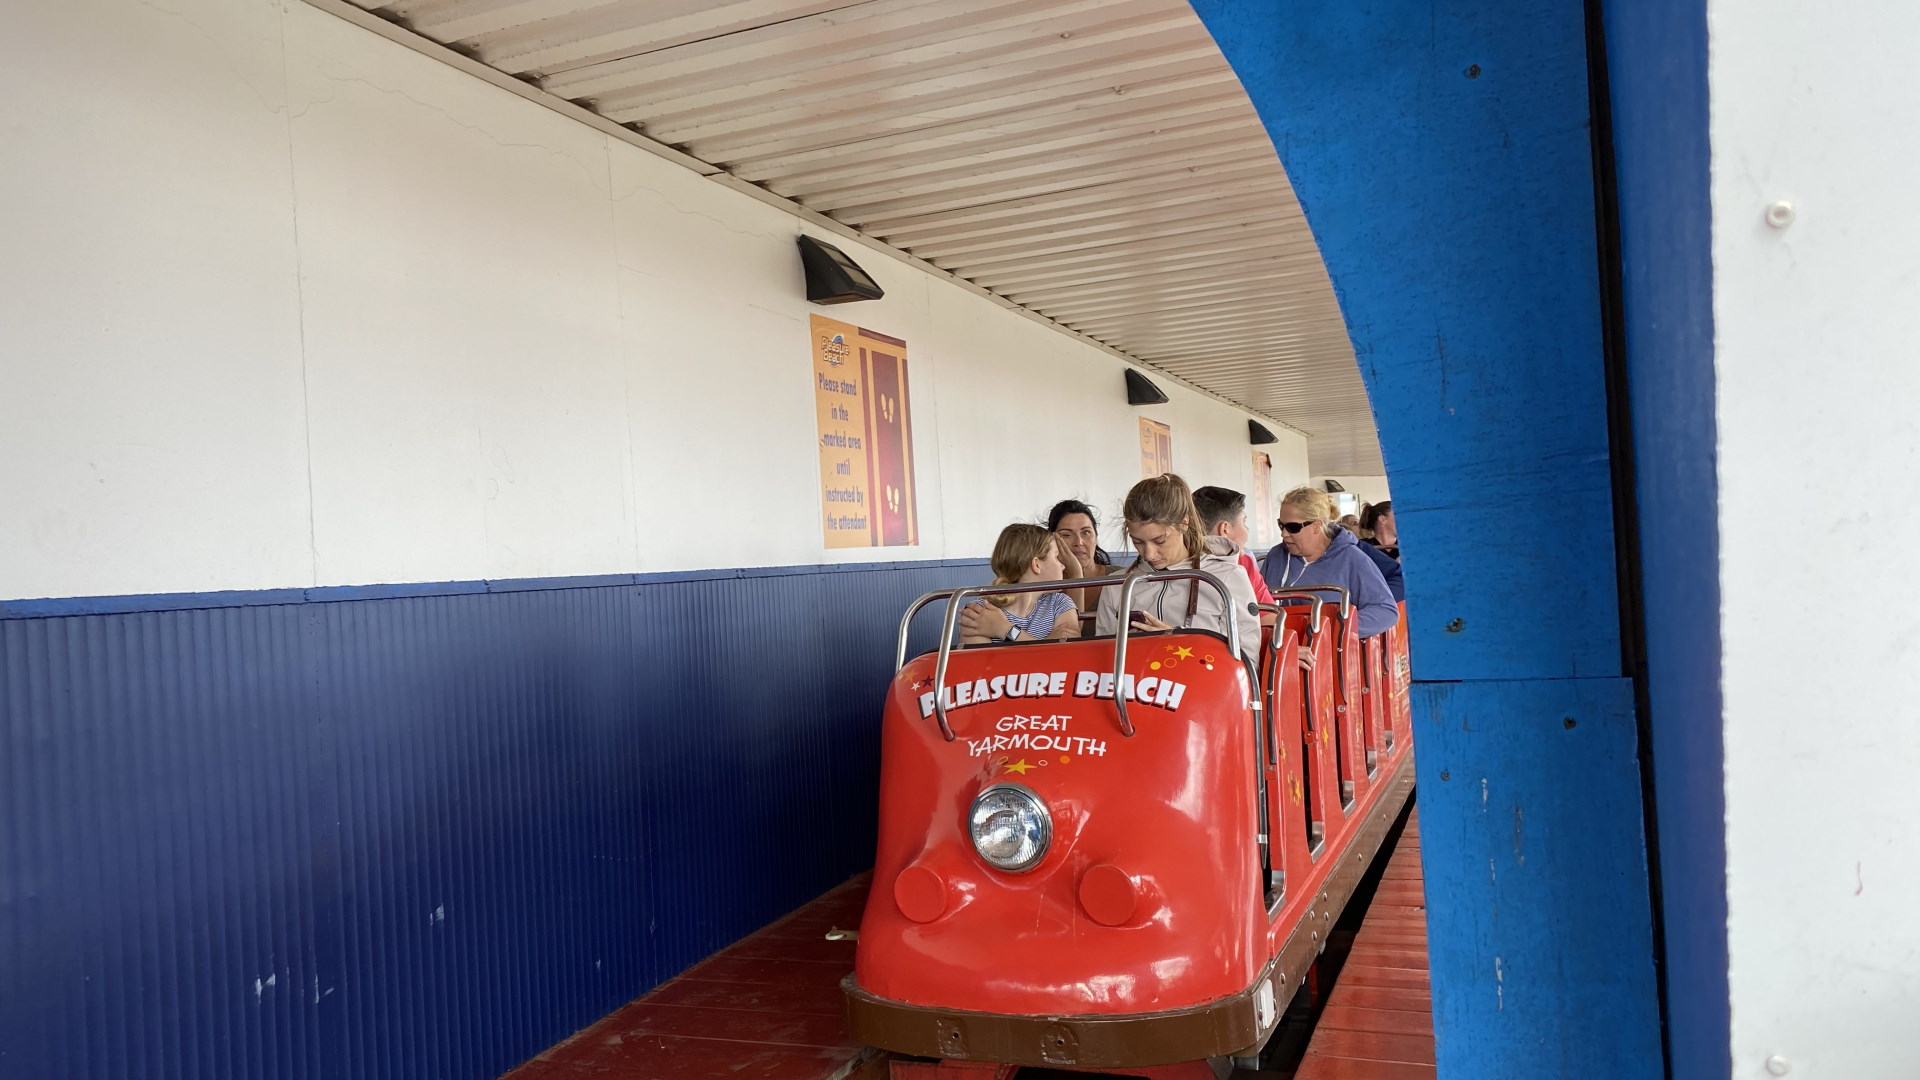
1223,512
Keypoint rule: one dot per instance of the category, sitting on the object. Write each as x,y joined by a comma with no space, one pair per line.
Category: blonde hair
1314,503
1166,500
1013,555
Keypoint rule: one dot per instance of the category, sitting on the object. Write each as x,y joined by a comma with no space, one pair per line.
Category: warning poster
866,436
1260,514
1156,448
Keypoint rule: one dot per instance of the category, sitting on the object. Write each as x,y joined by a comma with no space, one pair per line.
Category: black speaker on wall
833,278
1258,435
1141,391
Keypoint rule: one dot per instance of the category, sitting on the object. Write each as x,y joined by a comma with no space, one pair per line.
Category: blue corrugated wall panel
417,835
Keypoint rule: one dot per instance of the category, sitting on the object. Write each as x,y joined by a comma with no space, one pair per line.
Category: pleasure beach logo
1099,685
834,350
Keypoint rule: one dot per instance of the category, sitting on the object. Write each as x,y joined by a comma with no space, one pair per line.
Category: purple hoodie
1345,565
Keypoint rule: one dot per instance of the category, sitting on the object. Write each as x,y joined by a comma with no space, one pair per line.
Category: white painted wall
1818,327
1370,489
287,304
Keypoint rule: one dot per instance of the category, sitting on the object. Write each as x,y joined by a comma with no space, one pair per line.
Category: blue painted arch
1443,156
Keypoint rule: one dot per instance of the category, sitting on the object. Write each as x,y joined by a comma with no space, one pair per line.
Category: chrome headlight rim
1042,813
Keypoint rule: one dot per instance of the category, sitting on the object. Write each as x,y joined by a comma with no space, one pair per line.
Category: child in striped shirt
1023,554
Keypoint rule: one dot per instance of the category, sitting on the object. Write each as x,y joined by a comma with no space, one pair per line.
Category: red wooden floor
765,1008
1378,1022
768,1007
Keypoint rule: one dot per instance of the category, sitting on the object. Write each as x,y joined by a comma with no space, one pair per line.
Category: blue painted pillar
1441,152
1657,74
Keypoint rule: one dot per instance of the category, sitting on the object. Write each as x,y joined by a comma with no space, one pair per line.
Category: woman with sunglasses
1315,551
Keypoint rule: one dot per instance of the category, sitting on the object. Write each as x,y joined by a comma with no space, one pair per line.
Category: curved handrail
1346,598
1289,596
1267,672
1125,627
955,601
1340,639
906,620
957,597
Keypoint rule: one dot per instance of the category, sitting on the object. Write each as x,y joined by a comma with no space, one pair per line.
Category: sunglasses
1293,527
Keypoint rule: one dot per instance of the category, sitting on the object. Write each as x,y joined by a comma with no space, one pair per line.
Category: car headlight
1010,827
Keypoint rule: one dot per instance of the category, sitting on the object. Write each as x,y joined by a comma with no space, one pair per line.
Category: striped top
1037,623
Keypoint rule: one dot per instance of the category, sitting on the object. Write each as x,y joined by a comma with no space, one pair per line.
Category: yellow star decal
1183,653
1020,767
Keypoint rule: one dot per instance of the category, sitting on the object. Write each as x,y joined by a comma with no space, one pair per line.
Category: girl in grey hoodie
1165,529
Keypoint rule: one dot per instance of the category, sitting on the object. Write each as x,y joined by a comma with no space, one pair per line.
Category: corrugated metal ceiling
1094,161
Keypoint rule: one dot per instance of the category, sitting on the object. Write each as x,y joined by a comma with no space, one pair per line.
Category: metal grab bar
1346,599
947,623
956,600
1286,597
1340,640
906,621
1125,627
1267,673
1266,726
1262,823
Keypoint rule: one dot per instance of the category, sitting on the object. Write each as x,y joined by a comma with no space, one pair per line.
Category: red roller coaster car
1100,855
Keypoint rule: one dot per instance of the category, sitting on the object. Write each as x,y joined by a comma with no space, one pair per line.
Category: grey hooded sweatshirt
1167,600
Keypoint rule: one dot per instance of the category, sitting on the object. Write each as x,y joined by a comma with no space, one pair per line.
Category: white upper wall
1817,330
288,304
150,376
1370,489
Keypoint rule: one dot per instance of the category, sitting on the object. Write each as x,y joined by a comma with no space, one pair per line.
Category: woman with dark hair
1077,527
1377,529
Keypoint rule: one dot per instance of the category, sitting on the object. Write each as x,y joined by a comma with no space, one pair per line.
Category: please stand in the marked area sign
866,436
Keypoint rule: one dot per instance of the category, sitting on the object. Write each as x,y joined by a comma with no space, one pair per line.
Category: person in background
1388,564
1351,523
1164,526
1389,569
1376,522
1223,512
1023,554
1316,551
1077,527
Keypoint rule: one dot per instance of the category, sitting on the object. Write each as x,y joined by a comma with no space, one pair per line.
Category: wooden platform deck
767,1007
1378,1020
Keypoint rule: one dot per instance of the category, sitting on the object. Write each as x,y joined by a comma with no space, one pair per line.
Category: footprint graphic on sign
893,498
